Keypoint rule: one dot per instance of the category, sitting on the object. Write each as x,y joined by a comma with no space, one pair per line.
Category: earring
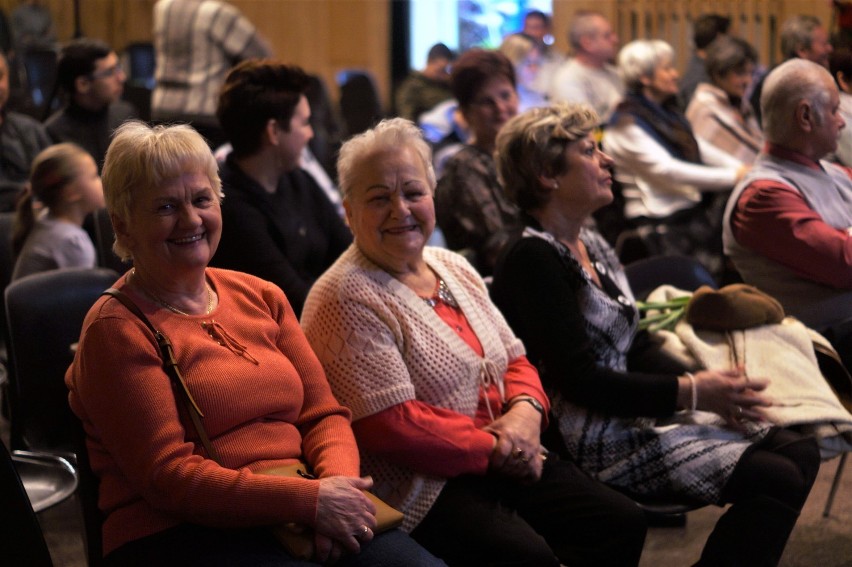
556,185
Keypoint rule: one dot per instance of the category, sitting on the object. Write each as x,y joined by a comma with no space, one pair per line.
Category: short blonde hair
141,157
387,134
533,144
639,58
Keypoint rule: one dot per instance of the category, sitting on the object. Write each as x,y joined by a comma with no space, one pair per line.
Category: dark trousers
768,488
566,517
192,545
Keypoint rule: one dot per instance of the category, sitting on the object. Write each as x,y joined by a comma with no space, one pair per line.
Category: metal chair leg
835,484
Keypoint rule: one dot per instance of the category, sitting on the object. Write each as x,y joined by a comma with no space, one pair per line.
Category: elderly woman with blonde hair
566,295
170,496
446,409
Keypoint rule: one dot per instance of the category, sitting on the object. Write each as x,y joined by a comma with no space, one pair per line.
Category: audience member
473,213
705,29
423,90
524,54
802,36
788,225
21,139
196,43
90,76
565,293
280,226
447,411
719,112
537,26
32,27
169,495
840,66
49,234
662,168
589,76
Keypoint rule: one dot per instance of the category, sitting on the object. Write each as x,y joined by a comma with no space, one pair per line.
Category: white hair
639,58
785,87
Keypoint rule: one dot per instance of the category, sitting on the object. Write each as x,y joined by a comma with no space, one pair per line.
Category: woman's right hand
343,513
730,394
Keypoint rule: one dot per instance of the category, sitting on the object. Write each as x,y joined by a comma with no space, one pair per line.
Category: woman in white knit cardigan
447,411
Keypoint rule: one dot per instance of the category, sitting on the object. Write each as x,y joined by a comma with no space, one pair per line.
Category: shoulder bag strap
172,369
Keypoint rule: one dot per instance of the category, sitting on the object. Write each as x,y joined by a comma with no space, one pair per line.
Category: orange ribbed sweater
264,409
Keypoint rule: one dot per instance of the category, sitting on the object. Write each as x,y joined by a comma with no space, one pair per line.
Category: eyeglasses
108,72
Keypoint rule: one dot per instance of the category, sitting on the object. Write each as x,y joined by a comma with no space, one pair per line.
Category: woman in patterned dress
565,294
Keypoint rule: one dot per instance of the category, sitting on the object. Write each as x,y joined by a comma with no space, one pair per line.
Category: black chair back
45,313
21,539
104,237
141,62
40,66
681,272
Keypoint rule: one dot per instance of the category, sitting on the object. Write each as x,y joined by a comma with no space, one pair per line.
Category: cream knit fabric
382,345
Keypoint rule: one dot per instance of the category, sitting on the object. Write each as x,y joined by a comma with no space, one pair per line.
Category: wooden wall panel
326,36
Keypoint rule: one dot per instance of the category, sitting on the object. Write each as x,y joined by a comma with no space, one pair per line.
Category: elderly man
787,224
802,37
589,75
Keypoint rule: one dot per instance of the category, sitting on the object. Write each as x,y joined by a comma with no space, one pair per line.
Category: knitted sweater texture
264,408
382,345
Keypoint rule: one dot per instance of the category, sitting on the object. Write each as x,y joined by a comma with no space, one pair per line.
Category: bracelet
694,390
527,399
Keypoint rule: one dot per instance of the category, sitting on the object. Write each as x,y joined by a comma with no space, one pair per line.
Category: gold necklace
171,307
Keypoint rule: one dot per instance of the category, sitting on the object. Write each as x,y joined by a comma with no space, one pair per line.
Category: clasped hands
732,394
517,449
345,517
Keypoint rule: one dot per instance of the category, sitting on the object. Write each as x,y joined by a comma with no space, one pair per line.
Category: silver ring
363,533
518,453
739,411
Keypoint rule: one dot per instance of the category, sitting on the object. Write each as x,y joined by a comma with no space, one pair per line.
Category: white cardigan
655,184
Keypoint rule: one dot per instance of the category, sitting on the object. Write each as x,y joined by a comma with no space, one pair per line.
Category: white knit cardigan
382,345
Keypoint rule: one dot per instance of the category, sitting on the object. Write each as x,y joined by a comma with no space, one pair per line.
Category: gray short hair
387,134
639,58
582,25
797,33
785,87
141,157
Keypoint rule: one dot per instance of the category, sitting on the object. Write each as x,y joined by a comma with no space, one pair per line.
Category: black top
539,290
90,130
289,237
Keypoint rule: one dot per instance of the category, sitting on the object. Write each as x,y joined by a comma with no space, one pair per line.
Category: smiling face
390,208
736,81
662,84
586,184
493,106
173,229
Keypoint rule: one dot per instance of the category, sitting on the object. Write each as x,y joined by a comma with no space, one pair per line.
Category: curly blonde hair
533,144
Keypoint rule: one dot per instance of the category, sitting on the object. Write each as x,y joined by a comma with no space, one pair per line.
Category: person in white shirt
589,75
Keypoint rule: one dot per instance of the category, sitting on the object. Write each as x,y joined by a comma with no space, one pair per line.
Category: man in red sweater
788,223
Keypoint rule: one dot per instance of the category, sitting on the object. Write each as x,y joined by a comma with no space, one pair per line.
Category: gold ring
363,533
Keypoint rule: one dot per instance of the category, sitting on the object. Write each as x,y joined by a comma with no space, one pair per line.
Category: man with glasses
92,81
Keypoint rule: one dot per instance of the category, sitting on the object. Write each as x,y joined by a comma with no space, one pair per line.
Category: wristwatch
528,399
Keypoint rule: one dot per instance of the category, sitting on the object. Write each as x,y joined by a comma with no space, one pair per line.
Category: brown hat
735,306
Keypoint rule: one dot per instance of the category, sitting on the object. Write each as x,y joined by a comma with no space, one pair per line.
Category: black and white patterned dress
579,335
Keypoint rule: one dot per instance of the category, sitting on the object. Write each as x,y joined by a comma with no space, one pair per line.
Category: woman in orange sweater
247,365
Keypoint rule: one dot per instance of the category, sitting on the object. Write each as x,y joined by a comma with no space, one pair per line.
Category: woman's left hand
518,451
